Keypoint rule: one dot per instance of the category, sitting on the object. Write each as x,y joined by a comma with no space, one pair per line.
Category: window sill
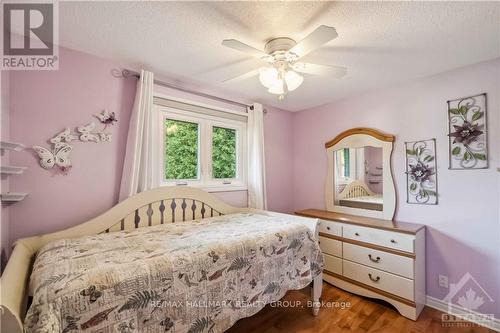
222,188
214,188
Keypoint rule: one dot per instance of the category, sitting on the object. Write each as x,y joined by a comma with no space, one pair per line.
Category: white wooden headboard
156,206
355,189
165,211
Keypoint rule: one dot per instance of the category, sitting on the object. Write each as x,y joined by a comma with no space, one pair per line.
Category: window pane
347,165
181,150
223,153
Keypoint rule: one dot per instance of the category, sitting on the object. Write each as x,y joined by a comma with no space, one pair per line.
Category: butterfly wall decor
58,154
106,118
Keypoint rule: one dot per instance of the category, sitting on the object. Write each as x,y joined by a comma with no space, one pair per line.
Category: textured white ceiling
381,44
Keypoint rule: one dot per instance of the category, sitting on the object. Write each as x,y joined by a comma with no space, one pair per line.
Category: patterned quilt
198,276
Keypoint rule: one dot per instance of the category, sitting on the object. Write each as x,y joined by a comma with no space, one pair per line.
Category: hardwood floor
363,315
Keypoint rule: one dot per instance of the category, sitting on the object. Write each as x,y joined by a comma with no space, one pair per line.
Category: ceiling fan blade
243,76
315,69
314,40
242,47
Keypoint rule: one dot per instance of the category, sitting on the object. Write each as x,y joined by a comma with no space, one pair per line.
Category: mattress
182,277
373,202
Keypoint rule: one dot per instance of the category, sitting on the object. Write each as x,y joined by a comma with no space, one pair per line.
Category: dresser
374,258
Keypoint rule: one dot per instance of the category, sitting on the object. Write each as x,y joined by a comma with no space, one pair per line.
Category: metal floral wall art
467,133
58,155
421,176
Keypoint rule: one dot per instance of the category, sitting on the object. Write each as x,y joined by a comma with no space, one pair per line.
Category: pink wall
43,103
4,160
373,158
279,149
463,233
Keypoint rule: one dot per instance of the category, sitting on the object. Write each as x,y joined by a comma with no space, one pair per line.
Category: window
346,165
181,149
224,157
201,147
345,161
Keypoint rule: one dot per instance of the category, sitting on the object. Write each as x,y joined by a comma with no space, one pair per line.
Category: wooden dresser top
403,227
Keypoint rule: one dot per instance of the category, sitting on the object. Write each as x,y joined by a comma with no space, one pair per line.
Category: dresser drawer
333,264
388,262
393,240
388,282
330,246
331,228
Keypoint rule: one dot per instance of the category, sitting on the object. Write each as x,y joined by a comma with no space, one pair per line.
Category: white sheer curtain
256,159
138,168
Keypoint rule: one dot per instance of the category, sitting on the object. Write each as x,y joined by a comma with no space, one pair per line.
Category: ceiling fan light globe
293,80
277,89
268,76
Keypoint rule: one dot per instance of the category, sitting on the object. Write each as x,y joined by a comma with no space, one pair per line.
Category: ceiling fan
281,75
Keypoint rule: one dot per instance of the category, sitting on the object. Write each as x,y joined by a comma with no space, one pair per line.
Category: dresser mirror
359,180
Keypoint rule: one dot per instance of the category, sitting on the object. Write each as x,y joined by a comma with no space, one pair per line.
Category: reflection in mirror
358,180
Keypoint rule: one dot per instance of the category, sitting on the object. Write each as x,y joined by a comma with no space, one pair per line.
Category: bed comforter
199,276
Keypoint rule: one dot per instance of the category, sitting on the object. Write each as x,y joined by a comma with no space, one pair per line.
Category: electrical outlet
443,281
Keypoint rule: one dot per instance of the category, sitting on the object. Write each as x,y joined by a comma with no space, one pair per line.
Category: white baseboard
461,312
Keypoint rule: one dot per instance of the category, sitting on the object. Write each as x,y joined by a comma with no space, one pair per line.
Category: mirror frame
356,138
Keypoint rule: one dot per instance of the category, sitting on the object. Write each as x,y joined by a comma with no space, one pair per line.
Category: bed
165,260
358,195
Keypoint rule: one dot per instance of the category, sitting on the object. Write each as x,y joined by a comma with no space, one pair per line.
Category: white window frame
352,168
205,124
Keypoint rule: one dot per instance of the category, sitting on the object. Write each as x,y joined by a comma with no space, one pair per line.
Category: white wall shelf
7,145
12,196
12,170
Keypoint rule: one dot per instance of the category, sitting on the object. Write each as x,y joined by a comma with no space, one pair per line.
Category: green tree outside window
181,150
223,153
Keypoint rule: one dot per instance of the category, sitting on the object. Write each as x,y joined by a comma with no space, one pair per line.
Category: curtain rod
128,73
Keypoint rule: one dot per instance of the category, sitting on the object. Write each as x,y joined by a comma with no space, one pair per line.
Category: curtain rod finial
123,73
118,73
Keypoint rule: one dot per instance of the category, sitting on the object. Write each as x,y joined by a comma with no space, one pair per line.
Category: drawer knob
377,279
393,241
356,233
327,228
374,260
